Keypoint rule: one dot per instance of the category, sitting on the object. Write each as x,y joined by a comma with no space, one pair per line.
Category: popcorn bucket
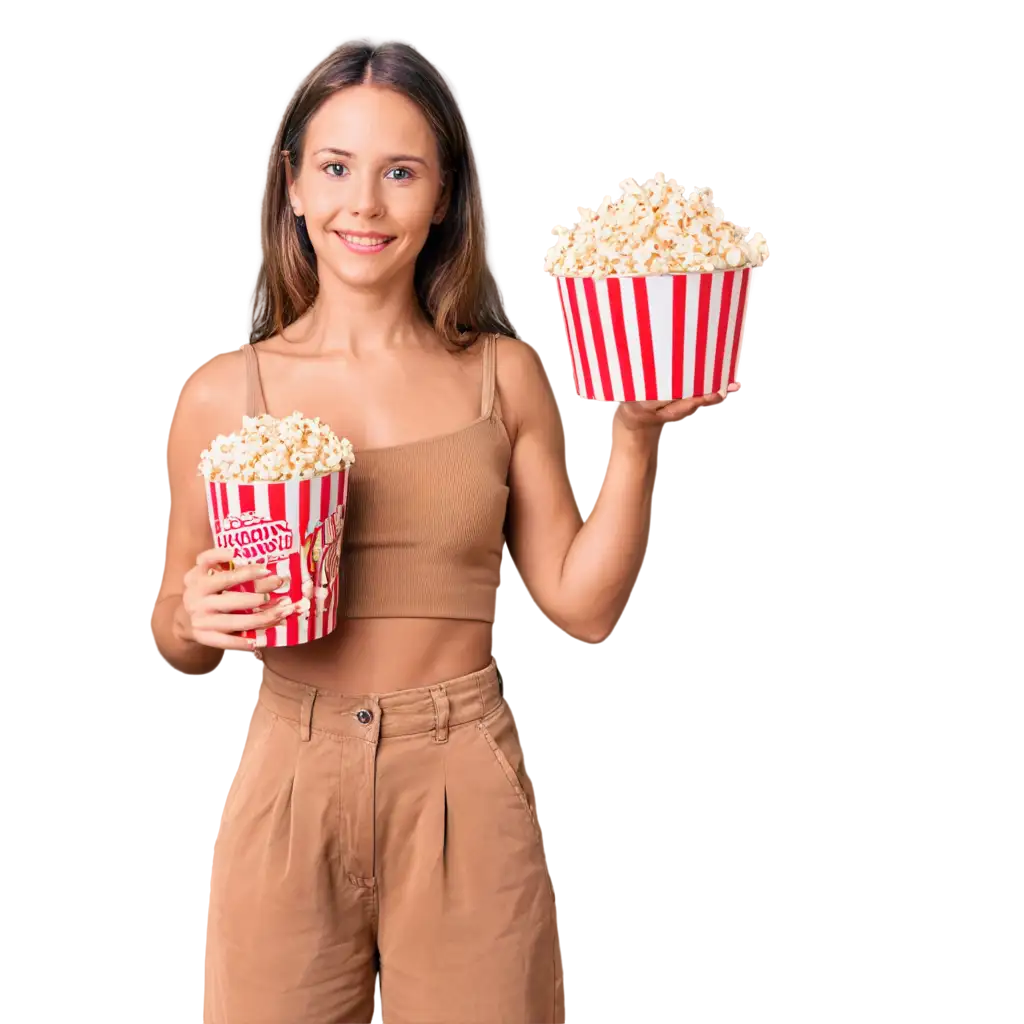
294,528
660,336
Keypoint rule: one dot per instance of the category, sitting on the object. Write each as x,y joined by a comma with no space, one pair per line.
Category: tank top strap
489,398
255,404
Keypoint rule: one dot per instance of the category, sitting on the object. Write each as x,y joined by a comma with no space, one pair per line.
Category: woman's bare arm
211,403
576,572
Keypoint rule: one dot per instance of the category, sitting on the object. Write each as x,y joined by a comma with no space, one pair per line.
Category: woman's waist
436,707
381,655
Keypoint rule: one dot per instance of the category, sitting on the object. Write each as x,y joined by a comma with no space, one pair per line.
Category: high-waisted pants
393,833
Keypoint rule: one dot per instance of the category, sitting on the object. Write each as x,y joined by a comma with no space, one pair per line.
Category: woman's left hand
639,415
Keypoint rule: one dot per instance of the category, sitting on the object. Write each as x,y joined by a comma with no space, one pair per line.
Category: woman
381,819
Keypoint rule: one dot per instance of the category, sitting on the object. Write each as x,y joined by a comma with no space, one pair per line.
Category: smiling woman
382,818
334,146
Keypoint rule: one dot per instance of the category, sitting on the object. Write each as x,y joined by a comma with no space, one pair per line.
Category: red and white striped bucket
660,336
294,528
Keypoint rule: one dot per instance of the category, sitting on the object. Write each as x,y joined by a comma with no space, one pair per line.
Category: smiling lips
366,242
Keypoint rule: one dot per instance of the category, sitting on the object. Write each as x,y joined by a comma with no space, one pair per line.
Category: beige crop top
423,533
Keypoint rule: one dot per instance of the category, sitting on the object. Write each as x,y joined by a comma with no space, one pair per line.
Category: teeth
363,241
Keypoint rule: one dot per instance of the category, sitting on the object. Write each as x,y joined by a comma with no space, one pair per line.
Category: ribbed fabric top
423,533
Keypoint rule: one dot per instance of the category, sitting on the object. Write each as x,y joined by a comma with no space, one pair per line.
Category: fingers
234,600
226,622
684,407
272,584
218,580
211,558
228,625
216,612
220,560
219,628
667,412
688,406
209,578
225,641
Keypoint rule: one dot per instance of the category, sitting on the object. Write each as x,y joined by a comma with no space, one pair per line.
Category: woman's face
369,166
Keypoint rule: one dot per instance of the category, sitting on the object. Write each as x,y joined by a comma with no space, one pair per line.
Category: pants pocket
499,731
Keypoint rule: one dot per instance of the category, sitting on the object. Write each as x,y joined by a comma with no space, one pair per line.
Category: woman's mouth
364,245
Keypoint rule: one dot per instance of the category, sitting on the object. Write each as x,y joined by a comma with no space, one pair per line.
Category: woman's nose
366,200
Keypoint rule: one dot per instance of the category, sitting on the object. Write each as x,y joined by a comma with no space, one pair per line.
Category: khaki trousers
393,833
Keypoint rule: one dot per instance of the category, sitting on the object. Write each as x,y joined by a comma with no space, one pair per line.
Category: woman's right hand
205,614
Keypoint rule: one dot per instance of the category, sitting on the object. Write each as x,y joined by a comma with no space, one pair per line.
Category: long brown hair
453,283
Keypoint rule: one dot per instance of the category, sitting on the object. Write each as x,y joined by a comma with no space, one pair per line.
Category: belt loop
440,699
306,714
501,682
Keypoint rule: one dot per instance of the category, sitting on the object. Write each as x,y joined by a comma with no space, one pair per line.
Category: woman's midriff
383,655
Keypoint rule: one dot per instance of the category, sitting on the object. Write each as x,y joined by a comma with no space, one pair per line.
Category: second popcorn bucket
665,336
276,493
654,290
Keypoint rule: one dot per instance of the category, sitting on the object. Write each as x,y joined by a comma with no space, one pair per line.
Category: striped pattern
664,336
276,524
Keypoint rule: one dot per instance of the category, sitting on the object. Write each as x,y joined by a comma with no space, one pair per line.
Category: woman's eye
333,165
406,171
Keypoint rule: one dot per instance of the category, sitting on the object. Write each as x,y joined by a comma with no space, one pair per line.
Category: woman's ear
442,204
293,199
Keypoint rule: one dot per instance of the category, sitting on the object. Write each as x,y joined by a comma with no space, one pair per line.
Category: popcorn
293,448
653,228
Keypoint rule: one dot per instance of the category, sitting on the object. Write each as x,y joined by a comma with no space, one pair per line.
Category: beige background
804,804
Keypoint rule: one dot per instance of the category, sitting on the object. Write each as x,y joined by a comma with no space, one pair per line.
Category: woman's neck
351,321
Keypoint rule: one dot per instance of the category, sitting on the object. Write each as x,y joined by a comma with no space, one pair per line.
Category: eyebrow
390,159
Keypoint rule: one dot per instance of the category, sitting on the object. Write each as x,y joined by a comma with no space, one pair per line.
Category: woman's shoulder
522,384
212,402
517,363
519,366
215,393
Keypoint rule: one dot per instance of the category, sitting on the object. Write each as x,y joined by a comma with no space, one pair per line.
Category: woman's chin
366,277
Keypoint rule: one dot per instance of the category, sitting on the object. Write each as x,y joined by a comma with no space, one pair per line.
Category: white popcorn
268,449
654,228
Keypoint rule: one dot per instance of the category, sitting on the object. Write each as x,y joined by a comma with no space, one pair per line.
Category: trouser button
364,716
